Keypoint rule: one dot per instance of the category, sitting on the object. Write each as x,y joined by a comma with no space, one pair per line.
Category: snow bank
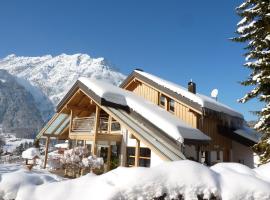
167,122
31,153
14,178
240,182
264,171
185,177
189,179
202,100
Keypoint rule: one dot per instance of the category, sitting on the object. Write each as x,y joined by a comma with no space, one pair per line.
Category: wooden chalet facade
222,127
115,131
113,128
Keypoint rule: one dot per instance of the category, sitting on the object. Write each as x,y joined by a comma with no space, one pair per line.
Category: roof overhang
197,107
78,85
167,91
244,135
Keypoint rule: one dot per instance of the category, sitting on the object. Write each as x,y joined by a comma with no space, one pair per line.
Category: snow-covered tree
254,31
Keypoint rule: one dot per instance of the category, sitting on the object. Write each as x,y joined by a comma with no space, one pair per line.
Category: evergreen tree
254,31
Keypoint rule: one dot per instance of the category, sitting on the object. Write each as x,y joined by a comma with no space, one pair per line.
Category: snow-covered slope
52,76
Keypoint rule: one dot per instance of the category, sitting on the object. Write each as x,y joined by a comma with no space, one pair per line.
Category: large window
171,105
144,157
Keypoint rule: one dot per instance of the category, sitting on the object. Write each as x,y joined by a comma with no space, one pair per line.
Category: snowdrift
171,180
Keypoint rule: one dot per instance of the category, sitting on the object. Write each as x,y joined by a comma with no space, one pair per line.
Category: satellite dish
214,93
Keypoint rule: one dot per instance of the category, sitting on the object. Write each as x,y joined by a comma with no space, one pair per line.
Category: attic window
162,100
171,105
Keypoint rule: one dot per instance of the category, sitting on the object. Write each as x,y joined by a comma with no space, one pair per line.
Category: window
130,156
144,158
115,126
171,105
162,100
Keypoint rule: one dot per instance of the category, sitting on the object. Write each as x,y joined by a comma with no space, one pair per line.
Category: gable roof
114,96
197,101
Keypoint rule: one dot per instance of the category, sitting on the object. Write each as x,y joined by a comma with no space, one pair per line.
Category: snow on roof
248,133
202,100
186,178
164,120
30,153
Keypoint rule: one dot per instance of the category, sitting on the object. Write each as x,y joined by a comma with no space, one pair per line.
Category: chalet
231,138
148,120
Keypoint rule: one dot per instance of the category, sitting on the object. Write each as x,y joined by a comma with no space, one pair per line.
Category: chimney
192,87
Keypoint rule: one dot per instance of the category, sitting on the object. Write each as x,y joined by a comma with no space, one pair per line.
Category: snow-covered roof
248,133
202,100
30,153
164,120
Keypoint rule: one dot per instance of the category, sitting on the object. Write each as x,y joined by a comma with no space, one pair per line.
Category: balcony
87,124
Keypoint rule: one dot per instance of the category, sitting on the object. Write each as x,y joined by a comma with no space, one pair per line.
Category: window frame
169,105
161,96
142,158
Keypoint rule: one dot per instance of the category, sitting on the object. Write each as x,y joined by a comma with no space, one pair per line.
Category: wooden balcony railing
86,124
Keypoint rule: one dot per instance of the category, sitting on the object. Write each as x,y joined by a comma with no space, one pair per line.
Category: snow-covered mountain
48,78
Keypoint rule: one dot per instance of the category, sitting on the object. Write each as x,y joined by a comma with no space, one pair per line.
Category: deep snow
229,181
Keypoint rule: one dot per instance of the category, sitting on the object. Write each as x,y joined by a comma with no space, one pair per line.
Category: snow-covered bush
93,162
31,153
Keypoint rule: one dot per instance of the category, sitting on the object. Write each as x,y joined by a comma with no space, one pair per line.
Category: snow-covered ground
187,178
16,178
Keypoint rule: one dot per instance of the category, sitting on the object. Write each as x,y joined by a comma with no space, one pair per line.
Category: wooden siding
219,142
146,92
185,114
207,125
150,94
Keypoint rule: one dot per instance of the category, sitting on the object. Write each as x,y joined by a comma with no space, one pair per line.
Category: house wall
146,92
191,117
242,154
151,94
190,152
207,125
128,141
218,142
155,159
214,157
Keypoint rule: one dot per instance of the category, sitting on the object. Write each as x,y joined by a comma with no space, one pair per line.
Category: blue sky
176,40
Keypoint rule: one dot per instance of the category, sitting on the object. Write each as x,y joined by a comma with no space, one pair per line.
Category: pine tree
254,31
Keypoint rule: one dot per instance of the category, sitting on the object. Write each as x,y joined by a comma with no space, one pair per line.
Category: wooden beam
78,92
46,151
94,146
110,124
71,121
137,153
